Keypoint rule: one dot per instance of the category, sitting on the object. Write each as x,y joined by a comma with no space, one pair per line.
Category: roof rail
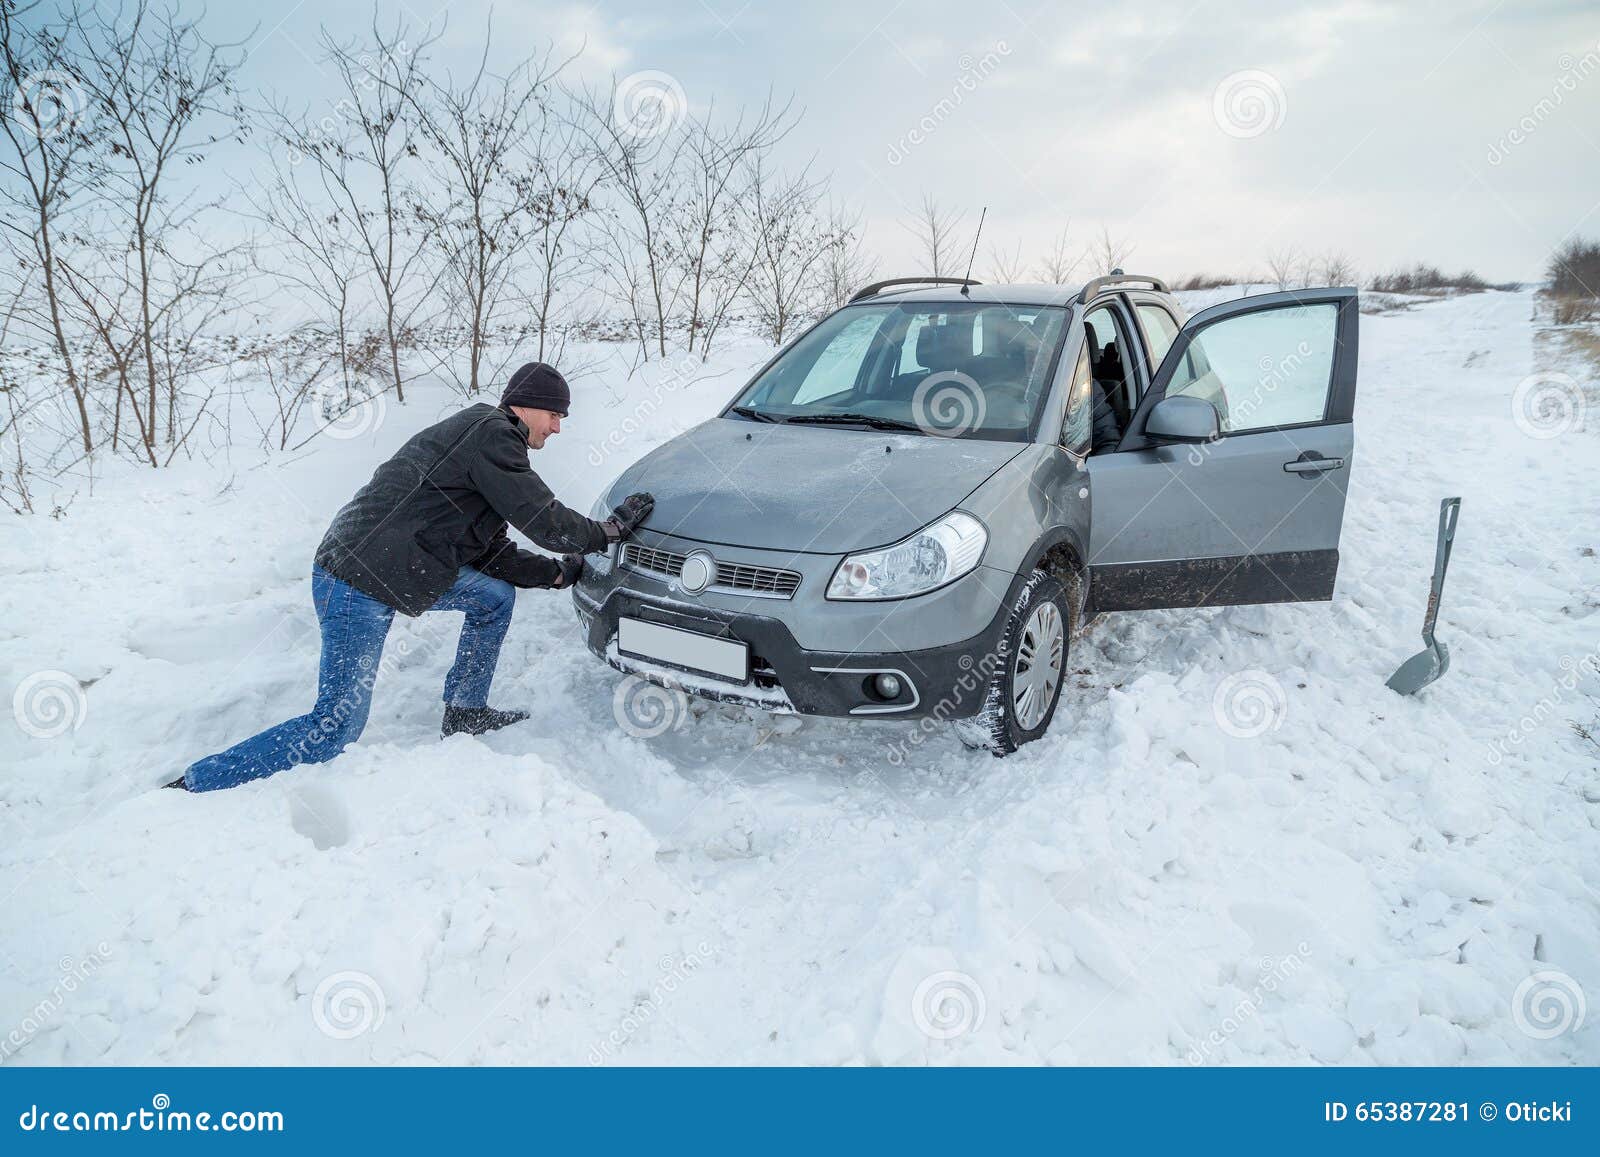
1118,278
878,286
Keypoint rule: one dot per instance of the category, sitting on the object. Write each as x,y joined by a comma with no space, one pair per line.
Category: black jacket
442,503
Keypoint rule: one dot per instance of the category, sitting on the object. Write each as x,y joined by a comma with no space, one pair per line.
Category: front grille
650,559
767,581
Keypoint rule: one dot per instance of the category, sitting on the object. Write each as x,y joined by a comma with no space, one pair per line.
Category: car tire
1025,689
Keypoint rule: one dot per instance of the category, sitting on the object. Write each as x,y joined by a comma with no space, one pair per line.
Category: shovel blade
1420,670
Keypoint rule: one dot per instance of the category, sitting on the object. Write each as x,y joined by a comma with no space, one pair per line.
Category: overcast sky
1207,134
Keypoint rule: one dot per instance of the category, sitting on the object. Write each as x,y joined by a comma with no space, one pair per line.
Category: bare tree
1110,253
555,184
50,160
713,256
164,94
846,265
638,162
1283,266
791,242
936,232
320,264
1007,268
365,150
476,223
1336,268
1060,260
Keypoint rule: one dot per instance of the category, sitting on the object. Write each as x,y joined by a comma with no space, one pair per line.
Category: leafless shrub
1335,268
1574,281
1284,267
1424,278
846,265
1207,281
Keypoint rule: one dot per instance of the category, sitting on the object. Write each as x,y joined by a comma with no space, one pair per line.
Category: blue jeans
354,627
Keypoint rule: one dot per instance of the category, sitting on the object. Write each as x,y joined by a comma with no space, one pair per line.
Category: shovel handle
1449,512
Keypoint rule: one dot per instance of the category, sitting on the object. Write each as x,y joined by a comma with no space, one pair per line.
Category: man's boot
477,720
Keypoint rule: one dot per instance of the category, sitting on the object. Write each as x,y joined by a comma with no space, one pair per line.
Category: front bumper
946,682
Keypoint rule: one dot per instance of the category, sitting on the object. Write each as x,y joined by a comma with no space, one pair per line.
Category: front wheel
1025,688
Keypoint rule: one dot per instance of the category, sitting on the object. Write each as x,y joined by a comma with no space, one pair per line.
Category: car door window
1077,428
1261,370
1159,332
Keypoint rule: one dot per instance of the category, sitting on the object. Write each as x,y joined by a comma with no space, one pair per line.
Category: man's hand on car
630,512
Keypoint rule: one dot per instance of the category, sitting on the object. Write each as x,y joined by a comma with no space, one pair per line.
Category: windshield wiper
872,420
755,415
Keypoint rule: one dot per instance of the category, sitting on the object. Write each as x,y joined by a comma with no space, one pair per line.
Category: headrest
944,347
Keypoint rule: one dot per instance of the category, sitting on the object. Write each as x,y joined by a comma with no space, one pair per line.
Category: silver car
909,510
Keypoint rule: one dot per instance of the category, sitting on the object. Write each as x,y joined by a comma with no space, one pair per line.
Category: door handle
1306,464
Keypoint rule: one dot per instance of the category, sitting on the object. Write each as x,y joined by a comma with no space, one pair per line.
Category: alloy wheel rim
1036,673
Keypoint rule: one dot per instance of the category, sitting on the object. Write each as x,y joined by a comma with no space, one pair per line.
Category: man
429,533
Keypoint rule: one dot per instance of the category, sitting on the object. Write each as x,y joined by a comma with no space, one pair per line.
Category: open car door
1247,510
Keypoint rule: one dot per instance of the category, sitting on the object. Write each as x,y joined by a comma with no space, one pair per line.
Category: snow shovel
1434,659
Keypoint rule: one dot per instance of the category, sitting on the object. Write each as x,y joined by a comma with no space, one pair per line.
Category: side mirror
1183,419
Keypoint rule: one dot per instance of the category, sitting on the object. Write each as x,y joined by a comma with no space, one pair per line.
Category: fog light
886,686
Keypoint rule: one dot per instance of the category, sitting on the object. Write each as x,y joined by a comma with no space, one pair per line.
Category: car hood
822,490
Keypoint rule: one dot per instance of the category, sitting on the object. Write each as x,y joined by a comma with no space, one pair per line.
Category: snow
1353,878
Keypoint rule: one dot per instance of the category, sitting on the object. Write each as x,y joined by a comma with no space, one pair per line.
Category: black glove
571,569
630,512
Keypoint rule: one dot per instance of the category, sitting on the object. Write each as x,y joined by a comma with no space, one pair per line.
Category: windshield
955,370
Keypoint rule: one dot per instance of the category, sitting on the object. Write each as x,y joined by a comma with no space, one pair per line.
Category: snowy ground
1369,879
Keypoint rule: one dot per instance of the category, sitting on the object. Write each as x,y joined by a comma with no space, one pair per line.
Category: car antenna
966,290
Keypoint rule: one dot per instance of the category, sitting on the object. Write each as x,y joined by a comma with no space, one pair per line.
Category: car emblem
699,569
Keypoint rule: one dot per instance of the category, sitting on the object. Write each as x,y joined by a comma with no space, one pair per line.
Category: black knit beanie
540,387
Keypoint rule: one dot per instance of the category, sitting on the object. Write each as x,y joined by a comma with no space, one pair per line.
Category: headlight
930,558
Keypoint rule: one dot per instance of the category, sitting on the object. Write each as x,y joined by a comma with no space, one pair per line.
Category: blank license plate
722,657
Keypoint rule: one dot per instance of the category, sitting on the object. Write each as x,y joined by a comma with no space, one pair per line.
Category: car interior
1110,369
